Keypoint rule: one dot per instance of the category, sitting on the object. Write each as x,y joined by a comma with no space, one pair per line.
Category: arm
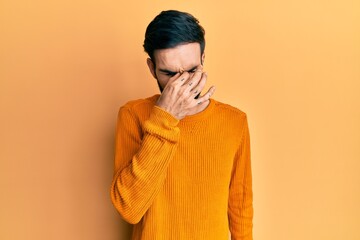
240,208
141,164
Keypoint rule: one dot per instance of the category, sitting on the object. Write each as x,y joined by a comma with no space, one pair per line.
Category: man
182,159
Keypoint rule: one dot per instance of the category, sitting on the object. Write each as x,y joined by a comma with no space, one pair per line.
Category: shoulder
138,108
229,110
140,103
232,119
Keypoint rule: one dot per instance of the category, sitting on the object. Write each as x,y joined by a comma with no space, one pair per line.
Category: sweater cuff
162,124
161,114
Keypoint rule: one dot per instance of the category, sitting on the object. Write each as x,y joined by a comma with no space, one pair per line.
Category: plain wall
67,66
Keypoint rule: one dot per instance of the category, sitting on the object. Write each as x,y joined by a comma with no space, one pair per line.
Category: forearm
136,185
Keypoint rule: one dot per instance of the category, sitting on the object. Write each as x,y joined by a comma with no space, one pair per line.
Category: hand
178,96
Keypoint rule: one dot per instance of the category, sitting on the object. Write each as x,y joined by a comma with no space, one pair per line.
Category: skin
179,72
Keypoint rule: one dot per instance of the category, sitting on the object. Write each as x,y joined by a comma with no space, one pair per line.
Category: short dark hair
172,28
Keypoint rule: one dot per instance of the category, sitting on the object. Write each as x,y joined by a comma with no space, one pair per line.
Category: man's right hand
178,96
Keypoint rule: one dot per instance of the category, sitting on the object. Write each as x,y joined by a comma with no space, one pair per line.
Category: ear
151,67
202,58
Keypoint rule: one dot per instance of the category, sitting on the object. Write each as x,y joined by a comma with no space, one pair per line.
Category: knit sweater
183,179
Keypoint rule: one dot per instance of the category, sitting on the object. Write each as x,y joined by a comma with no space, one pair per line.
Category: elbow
132,219
128,213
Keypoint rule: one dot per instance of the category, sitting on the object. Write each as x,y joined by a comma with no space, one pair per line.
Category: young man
182,160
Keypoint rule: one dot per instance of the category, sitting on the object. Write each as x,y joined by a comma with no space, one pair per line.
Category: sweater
183,179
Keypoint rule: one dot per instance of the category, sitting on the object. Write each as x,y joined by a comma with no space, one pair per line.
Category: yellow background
67,66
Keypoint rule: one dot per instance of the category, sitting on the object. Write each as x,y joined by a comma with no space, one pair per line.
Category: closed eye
170,74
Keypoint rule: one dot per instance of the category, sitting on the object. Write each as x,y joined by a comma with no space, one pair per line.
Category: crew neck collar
200,115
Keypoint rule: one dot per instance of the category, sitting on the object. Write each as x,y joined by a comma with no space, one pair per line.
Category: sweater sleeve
240,207
141,162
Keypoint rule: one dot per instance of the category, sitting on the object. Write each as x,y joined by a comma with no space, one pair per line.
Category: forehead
183,56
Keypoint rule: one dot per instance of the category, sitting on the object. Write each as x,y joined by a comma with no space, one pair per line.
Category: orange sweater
187,179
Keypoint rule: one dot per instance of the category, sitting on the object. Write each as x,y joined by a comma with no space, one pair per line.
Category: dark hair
172,28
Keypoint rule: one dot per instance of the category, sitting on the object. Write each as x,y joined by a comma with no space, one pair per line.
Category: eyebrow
173,73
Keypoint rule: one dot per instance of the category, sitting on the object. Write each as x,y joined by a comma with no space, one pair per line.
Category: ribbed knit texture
187,179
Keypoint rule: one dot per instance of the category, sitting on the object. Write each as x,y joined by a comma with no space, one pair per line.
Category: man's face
182,58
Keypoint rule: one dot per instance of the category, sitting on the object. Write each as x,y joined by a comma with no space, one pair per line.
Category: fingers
201,84
194,78
178,79
183,77
174,78
206,96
